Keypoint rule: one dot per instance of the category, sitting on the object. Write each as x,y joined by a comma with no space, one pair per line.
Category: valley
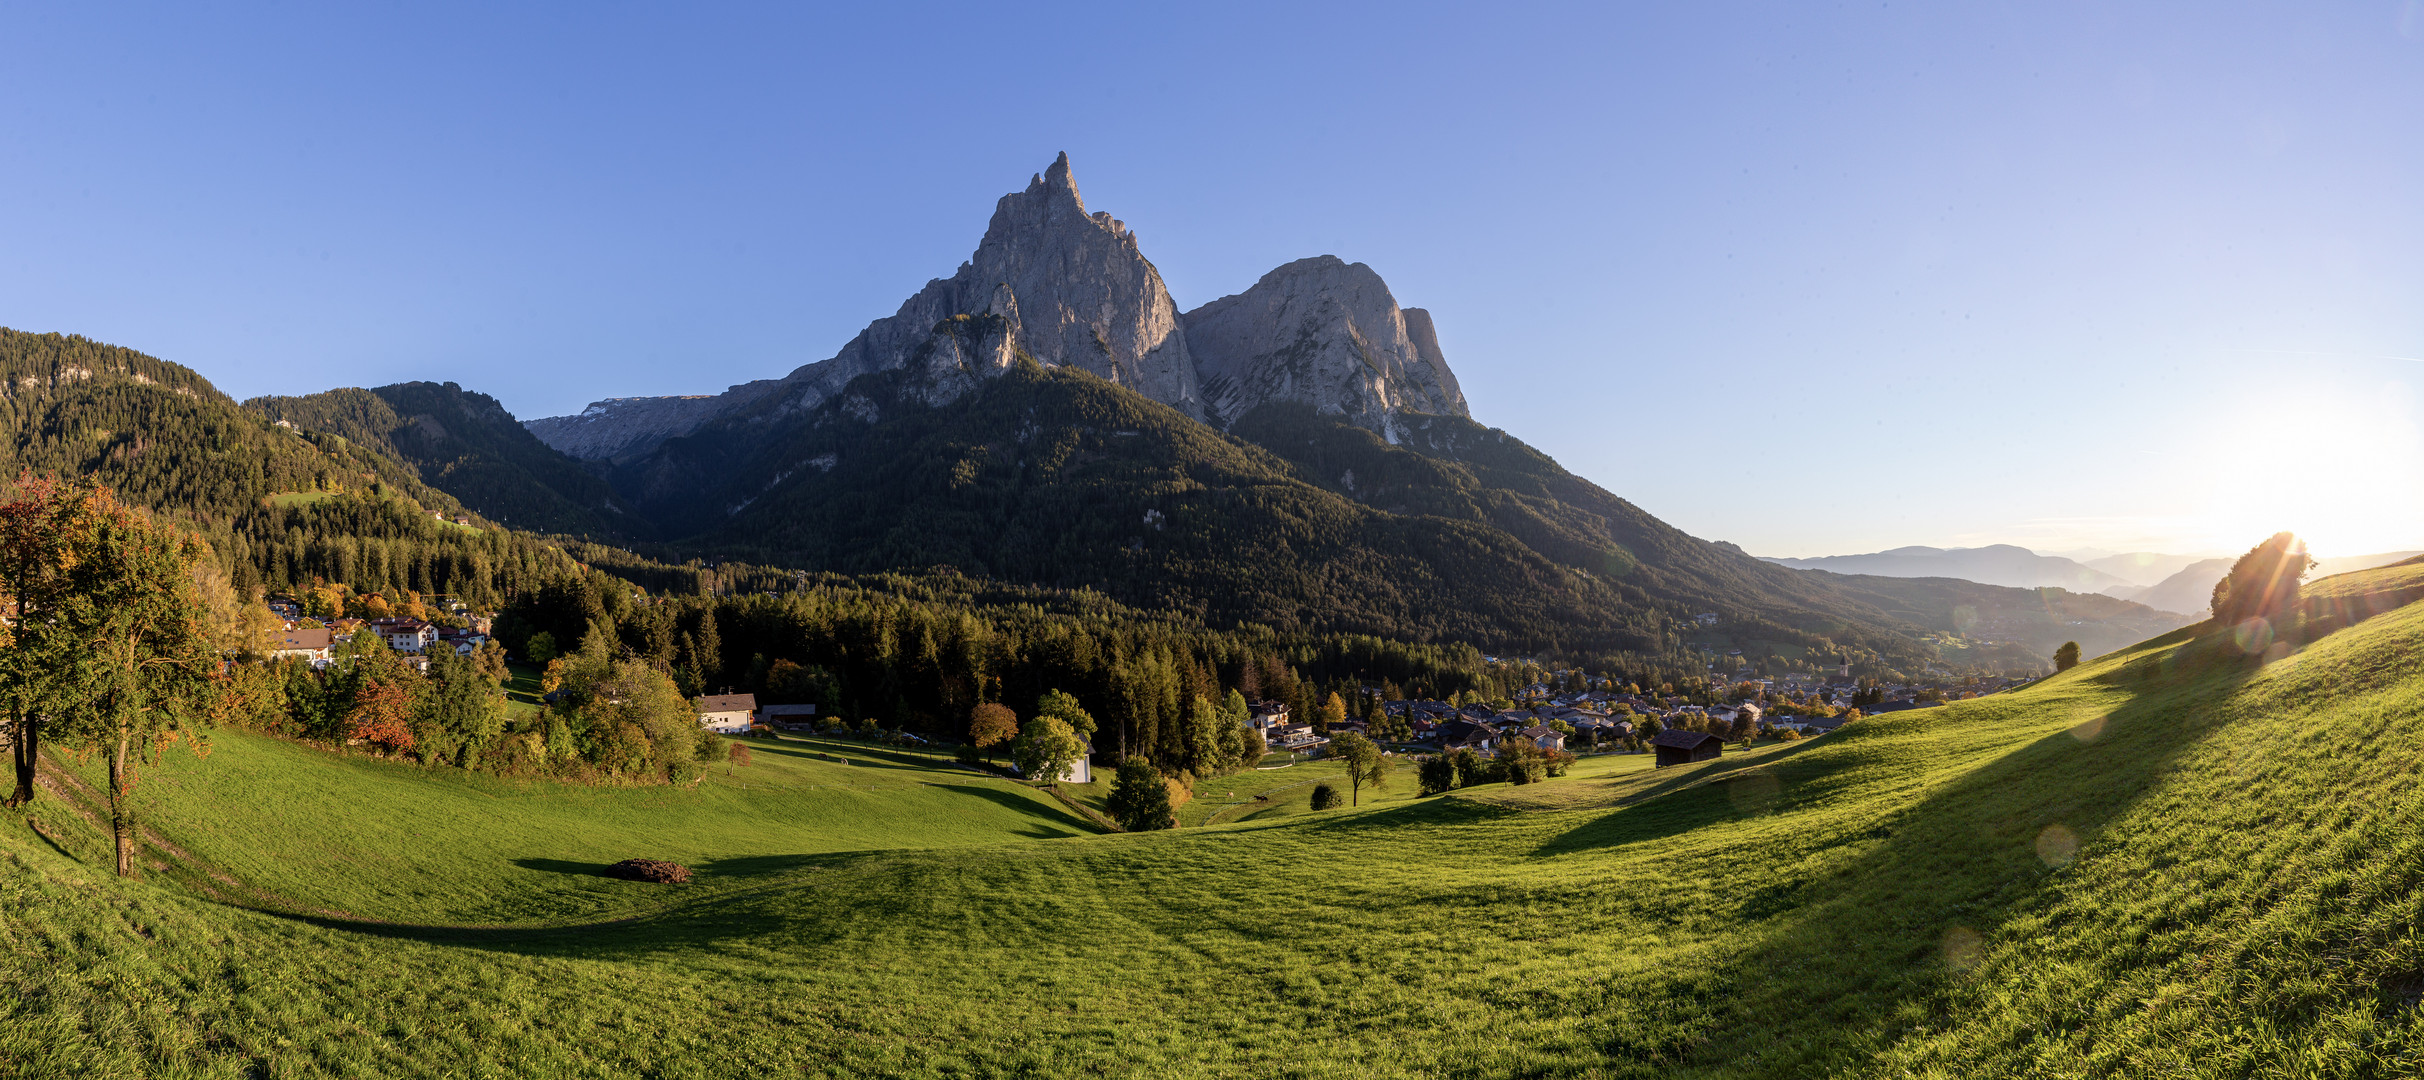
1966,890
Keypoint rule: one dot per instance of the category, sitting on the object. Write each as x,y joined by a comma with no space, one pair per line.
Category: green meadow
2179,859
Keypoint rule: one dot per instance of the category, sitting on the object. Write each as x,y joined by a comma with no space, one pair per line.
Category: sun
2345,471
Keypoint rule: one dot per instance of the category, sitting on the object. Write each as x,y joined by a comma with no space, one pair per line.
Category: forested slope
281,506
467,445
1057,478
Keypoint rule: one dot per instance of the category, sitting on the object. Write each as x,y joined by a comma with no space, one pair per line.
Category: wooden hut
1677,746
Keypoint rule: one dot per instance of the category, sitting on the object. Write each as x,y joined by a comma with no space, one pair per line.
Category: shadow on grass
1711,797
563,866
1055,816
1871,937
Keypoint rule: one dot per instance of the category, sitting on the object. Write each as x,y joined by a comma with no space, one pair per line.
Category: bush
740,756
1557,762
1436,774
1325,797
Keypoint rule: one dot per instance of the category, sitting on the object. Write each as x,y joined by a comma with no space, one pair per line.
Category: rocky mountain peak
1067,286
1324,332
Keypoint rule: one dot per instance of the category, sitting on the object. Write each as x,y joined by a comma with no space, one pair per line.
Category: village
1568,712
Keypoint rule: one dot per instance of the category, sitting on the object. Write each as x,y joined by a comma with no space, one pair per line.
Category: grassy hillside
467,445
2173,860
356,837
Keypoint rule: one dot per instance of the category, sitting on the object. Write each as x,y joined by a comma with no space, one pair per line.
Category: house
1267,716
727,714
789,717
1545,737
312,645
1682,746
406,635
1467,735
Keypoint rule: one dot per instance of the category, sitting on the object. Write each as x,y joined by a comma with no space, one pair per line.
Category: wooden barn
1677,746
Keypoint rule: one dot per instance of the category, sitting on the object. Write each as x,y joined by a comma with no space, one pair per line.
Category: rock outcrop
1048,279
1326,333
619,429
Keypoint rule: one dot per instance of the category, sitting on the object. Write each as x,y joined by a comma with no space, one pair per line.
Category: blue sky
1810,278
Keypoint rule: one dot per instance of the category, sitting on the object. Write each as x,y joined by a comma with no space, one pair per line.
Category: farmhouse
727,714
789,717
1545,737
1681,746
1467,735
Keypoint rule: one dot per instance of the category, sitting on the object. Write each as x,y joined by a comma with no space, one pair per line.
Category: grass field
2169,861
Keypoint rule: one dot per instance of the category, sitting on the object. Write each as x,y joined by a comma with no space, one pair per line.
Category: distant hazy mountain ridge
1995,564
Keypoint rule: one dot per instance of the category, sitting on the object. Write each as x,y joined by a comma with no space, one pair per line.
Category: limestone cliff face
622,428
1049,279
1322,332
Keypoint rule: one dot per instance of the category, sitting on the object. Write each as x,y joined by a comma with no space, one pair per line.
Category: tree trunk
122,815
25,748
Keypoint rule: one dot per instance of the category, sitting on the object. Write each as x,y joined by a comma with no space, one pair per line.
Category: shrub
1325,797
1436,774
740,756
1557,762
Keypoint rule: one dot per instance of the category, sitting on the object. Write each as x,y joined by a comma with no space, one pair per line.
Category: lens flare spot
2253,635
2088,730
1754,793
1962,947
2056,844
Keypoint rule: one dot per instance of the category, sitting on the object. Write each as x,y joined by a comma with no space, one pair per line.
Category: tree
1521,761
1364,762
1468,767
461,711
33,530
1325,797
381,716
1436,774
2066,657
1064,706
132,608
991,724
1140,801
1045,749
1333,712
2264,582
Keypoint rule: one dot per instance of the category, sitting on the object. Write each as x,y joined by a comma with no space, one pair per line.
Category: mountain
1298,455
164,437
2038,620
467,445
1995,564
1055,476
1064,286
2191,591
2141,568
1327,333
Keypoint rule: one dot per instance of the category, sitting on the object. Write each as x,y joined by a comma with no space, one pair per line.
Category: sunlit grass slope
306,830
2168,861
